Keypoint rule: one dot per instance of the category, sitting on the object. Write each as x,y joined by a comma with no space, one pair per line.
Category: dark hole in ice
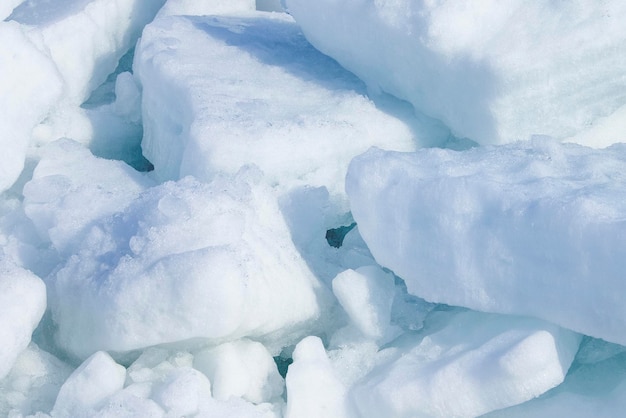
283,364
142,164
335,236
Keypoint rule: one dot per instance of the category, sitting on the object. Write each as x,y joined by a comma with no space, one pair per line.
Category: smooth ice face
494,72
186,260
221,92
469,364
22,304
48,71
531,228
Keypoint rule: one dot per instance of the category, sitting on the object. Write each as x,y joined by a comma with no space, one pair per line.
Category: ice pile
270,256
58,70
494,72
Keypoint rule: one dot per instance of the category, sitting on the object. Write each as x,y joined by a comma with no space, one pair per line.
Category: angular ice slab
492,71
532,228
186,260
467,364
221,92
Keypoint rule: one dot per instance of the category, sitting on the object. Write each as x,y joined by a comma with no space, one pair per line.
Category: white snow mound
186,260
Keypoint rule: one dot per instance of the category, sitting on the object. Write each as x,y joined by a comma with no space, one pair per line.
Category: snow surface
493,71
191,223
533,228
267,97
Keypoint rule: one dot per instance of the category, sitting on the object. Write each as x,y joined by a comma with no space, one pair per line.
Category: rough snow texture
530,228
491,71
221,92
67,176
185,260
33,383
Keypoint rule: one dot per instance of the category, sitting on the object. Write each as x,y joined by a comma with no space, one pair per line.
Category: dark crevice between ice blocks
335,236
105,93
121,140
282,363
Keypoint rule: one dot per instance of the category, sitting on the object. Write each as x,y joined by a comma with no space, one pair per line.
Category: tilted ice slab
85,38
22,304
186,260
531,228
221,92
468,363
492,71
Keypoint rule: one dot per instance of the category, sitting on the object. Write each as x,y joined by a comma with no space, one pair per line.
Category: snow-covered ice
533,228
201,214
22,304
89,386
493,71
366,295
242,369
201,260
26,96
505,361
220,92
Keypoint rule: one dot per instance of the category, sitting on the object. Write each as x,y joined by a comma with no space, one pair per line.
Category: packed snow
285,208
